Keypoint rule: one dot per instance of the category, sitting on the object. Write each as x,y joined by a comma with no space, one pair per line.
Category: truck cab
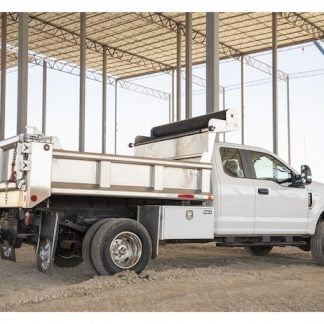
257,193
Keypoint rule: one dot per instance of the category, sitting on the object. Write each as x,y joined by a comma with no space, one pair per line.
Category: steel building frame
113,47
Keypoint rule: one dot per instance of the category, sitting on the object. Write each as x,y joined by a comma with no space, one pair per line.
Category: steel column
188,65
170,108
224,107
3,74
274,83
242,99
44,98
172,94
104,100
22,93
116,106
212,62
82,81
178,73
288,120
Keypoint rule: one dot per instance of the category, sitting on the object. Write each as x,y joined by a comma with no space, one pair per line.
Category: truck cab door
281,207
234,193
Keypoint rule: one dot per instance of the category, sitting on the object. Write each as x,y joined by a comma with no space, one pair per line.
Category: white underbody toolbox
186,222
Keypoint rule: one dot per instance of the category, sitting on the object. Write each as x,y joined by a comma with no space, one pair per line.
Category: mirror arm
297,180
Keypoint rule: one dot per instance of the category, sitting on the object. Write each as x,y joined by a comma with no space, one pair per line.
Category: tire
305,248
259,250
122,244
62,259
86,247
317,244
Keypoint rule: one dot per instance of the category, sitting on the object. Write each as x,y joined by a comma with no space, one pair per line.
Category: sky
138,113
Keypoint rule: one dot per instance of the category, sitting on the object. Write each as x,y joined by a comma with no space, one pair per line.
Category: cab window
267,167
232,162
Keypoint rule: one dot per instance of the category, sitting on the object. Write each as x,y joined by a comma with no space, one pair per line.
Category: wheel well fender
321,218
315,222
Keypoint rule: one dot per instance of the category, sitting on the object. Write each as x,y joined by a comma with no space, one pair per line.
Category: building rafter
74,38
200,38
302,23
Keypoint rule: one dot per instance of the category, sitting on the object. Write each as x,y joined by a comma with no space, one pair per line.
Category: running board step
226,244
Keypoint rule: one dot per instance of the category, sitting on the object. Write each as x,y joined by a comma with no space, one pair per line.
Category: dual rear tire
114,245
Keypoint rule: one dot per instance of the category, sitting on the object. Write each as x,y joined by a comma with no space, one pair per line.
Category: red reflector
186,196
33,198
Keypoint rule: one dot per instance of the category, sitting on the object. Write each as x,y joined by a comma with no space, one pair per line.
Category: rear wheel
86,247
259,250
317,244
121,244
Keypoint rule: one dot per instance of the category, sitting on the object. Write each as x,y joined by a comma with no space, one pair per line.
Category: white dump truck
183,185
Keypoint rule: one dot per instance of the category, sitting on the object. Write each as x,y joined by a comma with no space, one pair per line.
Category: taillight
186,196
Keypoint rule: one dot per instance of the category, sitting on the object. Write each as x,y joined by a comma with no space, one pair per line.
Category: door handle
263,191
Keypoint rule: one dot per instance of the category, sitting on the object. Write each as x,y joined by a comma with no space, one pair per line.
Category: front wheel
121,244
317,244
259,250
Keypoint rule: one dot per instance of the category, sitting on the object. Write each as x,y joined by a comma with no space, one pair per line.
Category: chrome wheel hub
125,250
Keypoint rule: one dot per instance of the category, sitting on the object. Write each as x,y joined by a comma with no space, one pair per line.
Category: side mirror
306,174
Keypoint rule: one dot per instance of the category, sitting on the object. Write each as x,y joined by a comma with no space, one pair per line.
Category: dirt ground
189,277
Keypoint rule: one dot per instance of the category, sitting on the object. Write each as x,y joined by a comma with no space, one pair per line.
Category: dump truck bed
36,171
124,176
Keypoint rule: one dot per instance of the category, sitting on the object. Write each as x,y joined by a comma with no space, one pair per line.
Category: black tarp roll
185,126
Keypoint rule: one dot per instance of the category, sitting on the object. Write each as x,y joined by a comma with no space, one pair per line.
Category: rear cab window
232,162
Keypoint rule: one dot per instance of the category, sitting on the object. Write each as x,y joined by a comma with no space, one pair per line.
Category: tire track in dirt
190,268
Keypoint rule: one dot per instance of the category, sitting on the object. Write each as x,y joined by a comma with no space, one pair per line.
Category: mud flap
47,239
149,217
7,252
8,238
